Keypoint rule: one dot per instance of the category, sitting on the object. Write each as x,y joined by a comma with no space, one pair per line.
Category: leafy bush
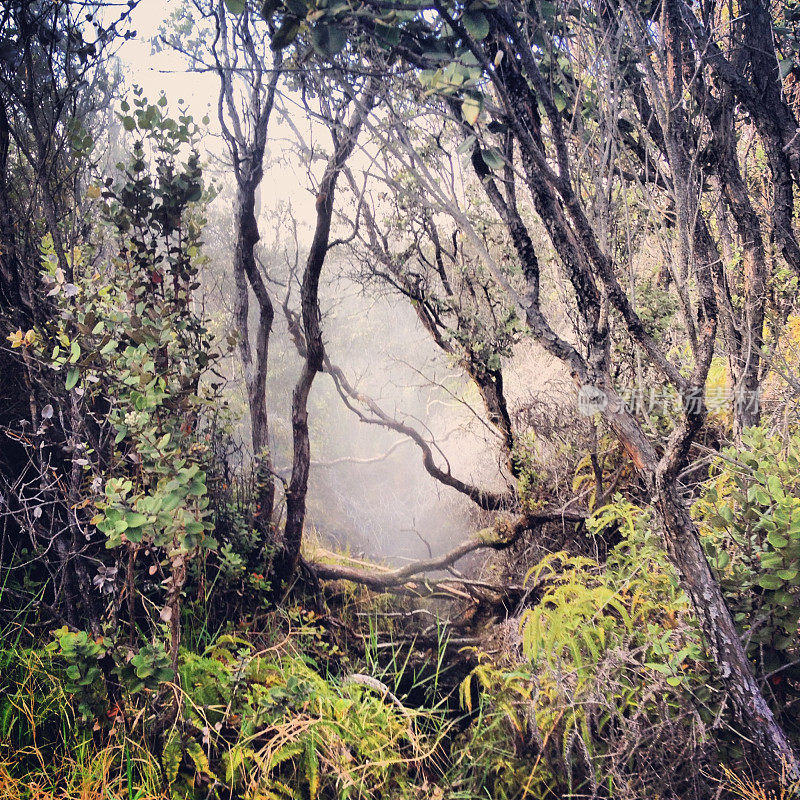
270,725
749,515
616,690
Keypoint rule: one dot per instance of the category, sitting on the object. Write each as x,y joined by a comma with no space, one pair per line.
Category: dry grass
746,788
118,771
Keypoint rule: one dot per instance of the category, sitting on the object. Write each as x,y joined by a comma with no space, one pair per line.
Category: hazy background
367,493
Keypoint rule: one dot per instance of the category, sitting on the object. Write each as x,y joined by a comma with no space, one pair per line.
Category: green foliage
46,749
83,677
147,669
35,710
600,640
169,514
131,351
493,755
749,515
274,727
532,478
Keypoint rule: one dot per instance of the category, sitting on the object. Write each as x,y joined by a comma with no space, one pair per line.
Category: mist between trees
478,475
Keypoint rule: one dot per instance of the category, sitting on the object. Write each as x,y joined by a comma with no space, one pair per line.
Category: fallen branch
500,536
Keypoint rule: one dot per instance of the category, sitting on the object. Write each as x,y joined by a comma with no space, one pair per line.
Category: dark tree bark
244,114
344,138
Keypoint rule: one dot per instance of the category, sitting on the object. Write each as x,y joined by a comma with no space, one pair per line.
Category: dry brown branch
500,536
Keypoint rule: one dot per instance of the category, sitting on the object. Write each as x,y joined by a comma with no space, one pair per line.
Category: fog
369,493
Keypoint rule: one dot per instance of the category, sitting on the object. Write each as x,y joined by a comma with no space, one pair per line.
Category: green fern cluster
613,652
271,726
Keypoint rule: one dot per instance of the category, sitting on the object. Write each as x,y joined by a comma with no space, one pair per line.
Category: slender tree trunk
245,130
249,277
722,638
344,143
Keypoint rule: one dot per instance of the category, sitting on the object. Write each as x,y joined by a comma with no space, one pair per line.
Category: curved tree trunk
244,116
344,143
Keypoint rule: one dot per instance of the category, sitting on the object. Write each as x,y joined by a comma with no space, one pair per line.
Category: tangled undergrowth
604,692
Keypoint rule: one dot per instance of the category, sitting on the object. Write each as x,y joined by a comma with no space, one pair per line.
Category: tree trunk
682,543
245,266
722,638
344,143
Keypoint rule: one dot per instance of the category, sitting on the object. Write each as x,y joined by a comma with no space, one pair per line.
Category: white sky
167,71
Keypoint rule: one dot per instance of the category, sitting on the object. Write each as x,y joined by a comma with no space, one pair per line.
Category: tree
344,135
534,89
53,85
236,49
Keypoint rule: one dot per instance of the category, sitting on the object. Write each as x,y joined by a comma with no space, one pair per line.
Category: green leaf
777,540
477,24
328,40
775,487
674,680
134,535
195,528
72,378
171,502
466,146
144,670
559,100
761,497
197,488
772,561
770,582
493,158
471,107
135,519
129,123
312,768
235,6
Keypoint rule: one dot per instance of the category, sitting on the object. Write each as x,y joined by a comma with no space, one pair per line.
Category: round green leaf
770,582
777,540
493,158
135,519
477,24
